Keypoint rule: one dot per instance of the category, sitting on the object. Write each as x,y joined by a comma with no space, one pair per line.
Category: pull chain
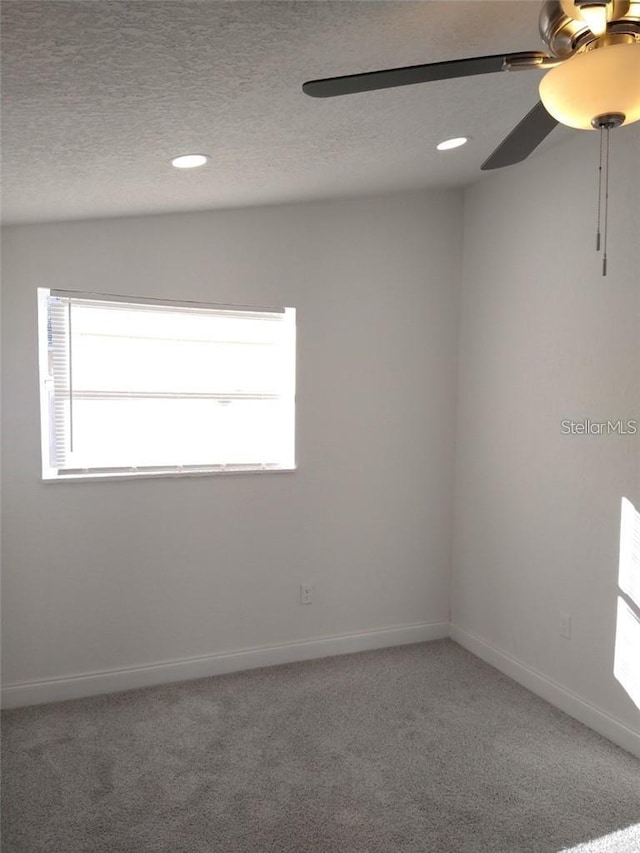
605,122
599,187
606,204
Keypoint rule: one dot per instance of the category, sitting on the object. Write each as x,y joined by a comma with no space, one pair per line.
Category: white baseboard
112,681
572,704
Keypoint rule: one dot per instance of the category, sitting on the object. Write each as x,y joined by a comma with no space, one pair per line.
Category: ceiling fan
592,79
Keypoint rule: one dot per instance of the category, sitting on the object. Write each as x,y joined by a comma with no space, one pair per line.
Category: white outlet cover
565,625
306,593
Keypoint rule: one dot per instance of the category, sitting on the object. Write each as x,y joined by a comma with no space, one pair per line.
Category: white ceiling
98,95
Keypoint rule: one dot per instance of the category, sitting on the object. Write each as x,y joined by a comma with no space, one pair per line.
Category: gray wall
545,337
112,575
117,574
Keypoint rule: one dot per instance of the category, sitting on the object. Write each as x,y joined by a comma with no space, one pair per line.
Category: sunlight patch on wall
626,667
622,841
629,574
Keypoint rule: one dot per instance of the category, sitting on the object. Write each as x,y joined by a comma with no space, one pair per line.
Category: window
139,386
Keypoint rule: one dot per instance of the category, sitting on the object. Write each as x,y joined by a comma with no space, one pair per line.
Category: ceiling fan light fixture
597,82
189,161
454,142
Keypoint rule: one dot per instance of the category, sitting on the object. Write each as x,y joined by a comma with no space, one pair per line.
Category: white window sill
94,477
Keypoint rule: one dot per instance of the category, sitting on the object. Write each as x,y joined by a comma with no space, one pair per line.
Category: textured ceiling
98,95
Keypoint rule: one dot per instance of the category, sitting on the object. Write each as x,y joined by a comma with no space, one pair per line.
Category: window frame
51,474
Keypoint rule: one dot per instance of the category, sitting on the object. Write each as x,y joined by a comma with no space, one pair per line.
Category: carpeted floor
418,749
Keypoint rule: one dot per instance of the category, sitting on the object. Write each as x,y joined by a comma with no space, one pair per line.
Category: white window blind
143,386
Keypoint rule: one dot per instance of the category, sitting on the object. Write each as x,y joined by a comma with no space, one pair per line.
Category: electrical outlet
306,593
565,625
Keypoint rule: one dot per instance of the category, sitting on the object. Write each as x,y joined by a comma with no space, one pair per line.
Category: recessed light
189,161
448,144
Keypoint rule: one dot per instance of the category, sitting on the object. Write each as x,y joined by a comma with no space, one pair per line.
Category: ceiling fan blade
523,139
372,80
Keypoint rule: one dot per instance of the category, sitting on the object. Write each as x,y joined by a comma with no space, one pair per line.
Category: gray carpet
419,749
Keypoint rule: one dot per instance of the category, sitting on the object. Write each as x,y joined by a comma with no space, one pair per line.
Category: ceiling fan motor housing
565,32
